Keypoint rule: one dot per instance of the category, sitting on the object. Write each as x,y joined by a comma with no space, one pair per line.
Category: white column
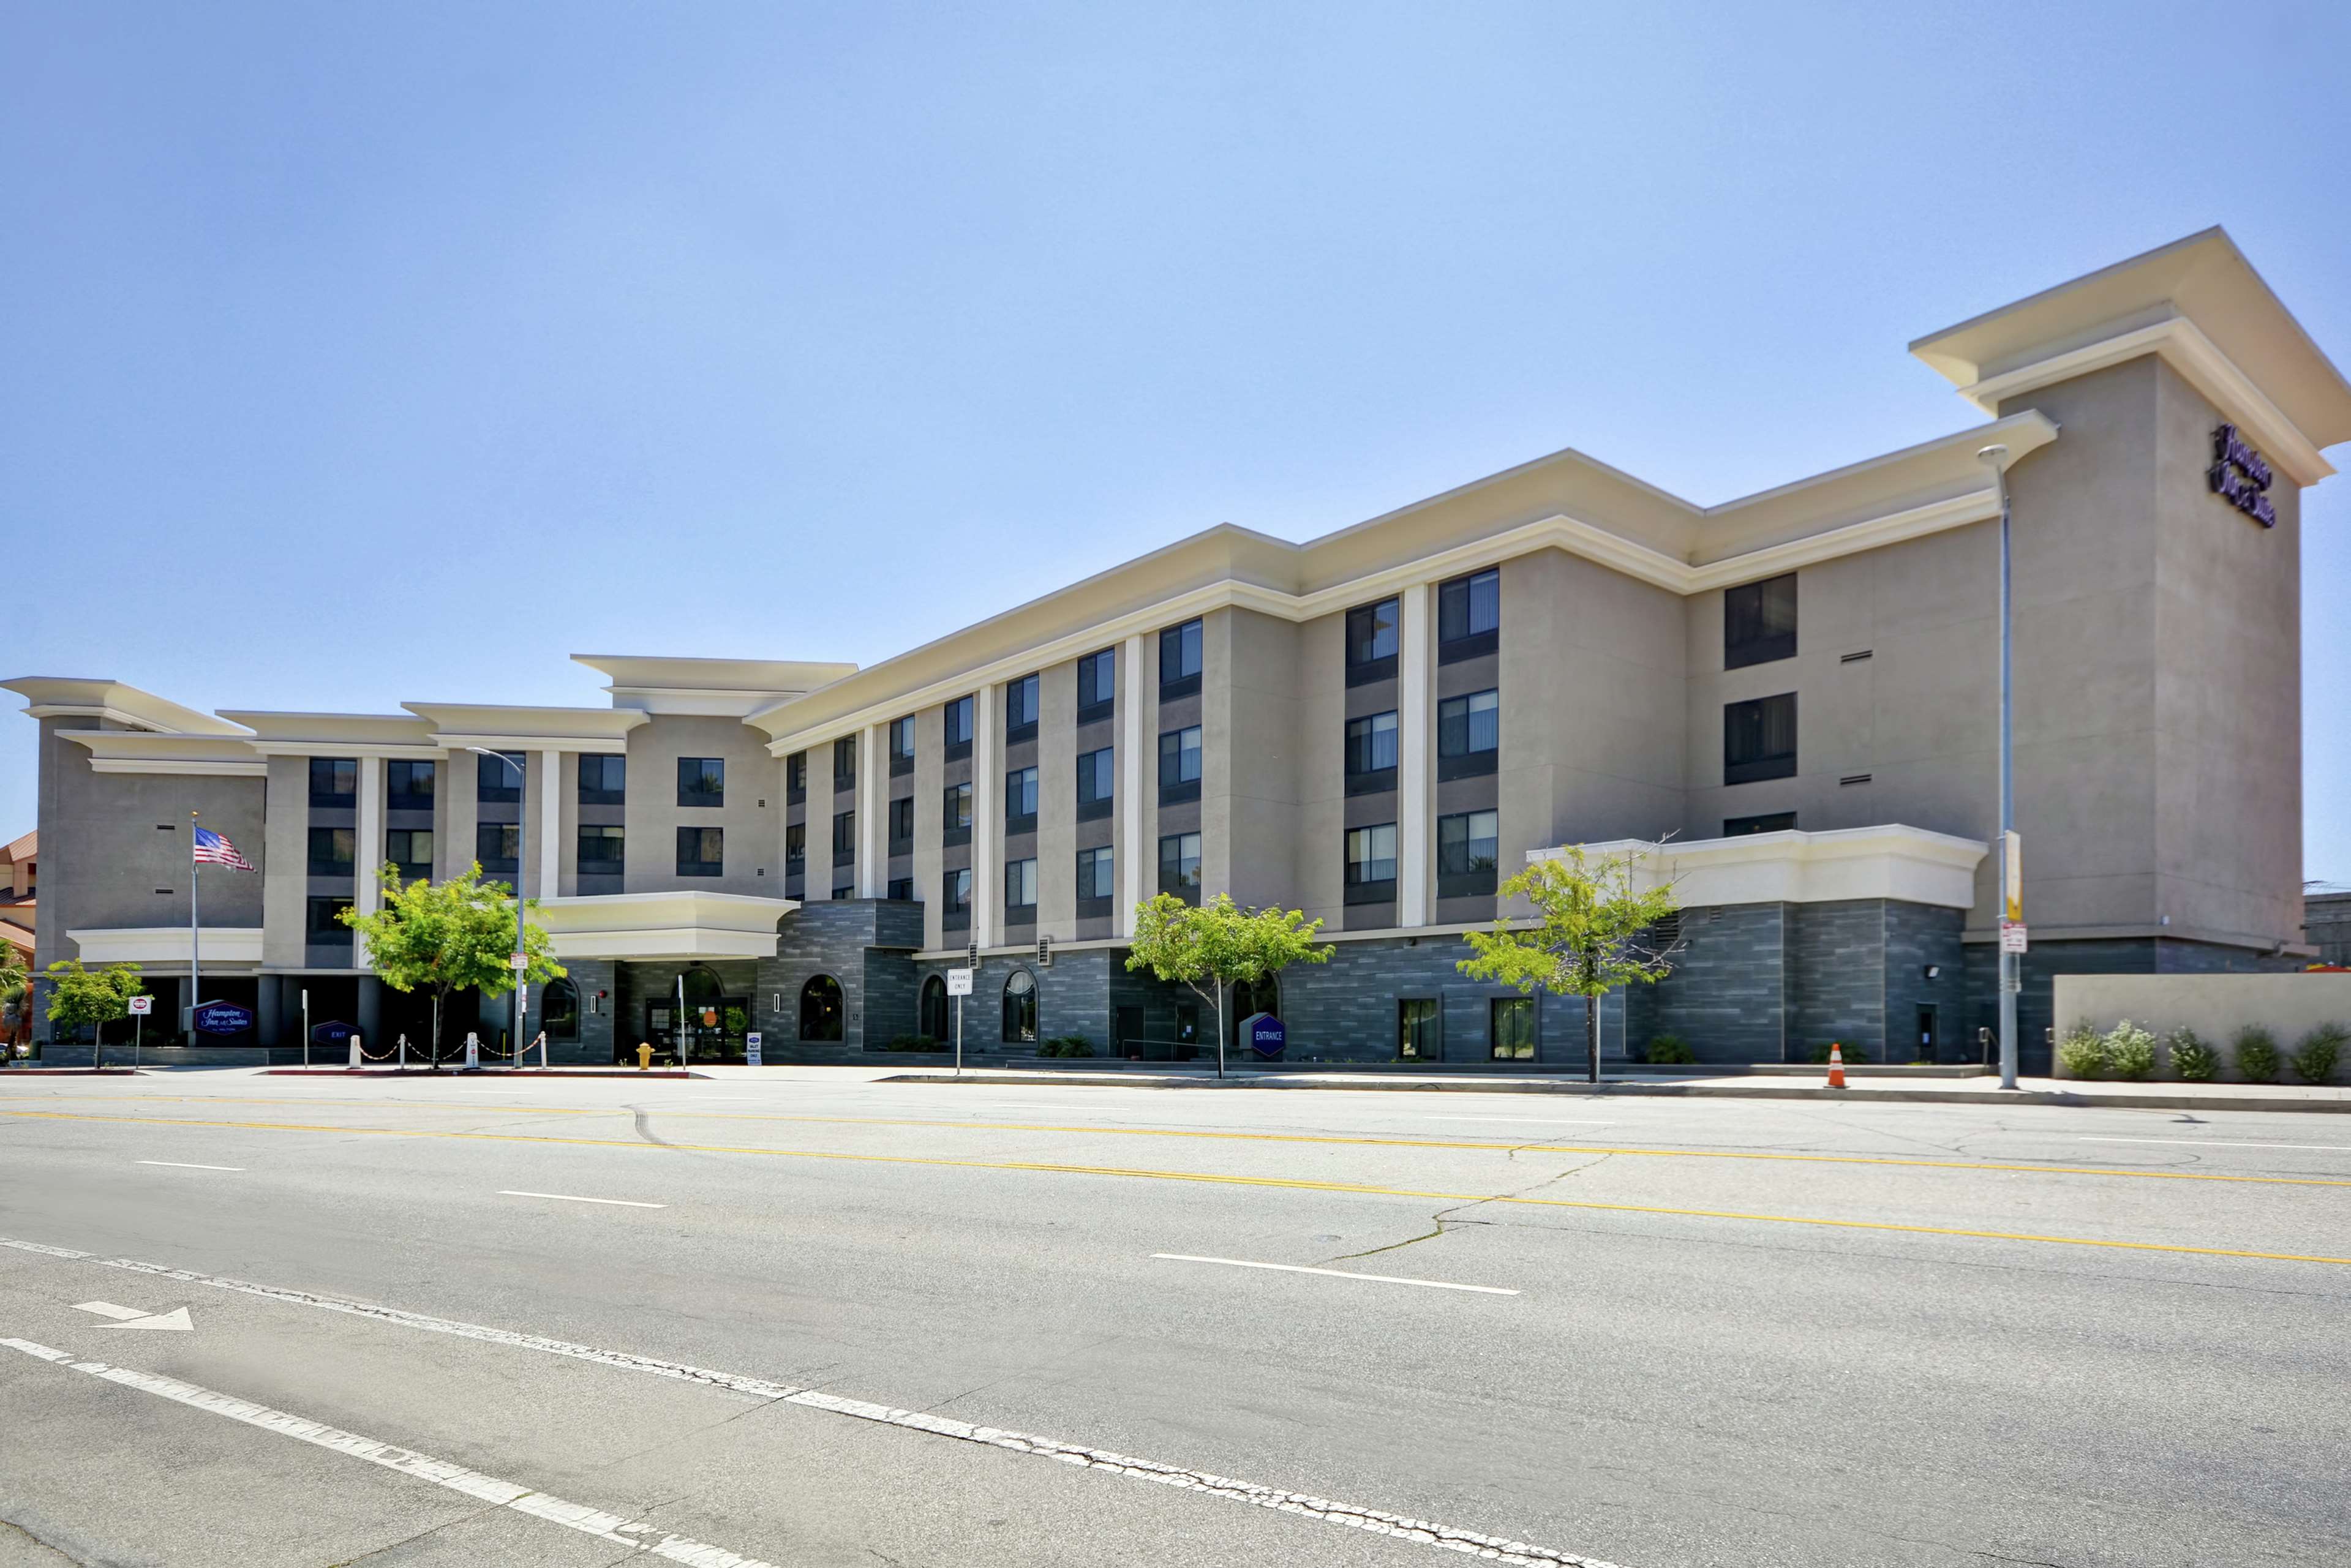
1135,855
1416,783
987,815
547,809
873,816
368,856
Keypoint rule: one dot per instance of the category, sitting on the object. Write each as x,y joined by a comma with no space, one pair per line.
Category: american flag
215,849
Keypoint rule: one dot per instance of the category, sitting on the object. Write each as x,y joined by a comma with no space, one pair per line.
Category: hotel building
1794,693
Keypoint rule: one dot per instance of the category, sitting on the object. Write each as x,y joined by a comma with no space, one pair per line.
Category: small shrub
2083,1053
1066,1045
2130,1051
1669,1050
2315,1062
2192,1061
1852,1054
913,1042
2257,1054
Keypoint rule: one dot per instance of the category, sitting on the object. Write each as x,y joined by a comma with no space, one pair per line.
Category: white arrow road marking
136,1318
407,1461
1451,1537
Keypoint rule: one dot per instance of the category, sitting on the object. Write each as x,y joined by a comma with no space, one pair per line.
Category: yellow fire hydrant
644,1057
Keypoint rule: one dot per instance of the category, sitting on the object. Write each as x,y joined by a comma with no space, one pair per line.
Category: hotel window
1097,883
1179,866
901,890
499,846
325,927
702,781
1370,754
1758,621
1179,661
796,778
410,848
954,815
844,763
902,746
408,786
844,837
1372,641
1768,822
495,783
1179,765
330,852
1096,773
1097,686
701,852
795,848
1371,864
1468,735
1513,1021
603,781
1469,616
845,892
335,780
958,728
1020,710
1759,740
601,851
1467,847
954,900
1020,892
1020,801
901,826
1417,1026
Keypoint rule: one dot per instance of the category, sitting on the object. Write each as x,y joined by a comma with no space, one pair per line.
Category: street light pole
522,842
2011,964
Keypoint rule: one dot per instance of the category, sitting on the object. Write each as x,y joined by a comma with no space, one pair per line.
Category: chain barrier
367,1055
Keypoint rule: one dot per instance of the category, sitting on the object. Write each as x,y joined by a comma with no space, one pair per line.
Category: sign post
751,1048
140,1008
959,987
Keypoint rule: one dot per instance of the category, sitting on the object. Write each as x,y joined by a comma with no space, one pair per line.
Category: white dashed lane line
570,1197
185,1166
1336,1273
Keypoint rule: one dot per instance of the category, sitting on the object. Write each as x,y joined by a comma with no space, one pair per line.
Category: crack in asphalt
1443,1218
49,1546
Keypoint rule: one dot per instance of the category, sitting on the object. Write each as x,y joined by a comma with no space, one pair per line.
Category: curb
8,1073
462,1073
1669,1091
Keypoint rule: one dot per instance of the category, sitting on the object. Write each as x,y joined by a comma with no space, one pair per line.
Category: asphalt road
808,1309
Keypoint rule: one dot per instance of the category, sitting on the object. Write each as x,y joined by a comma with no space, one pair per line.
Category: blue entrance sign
1265,1034
332,1032
224,1017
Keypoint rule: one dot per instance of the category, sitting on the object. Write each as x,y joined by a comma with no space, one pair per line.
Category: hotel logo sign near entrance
2240,476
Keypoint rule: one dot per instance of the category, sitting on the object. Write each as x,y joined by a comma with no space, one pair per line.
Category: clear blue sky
352,354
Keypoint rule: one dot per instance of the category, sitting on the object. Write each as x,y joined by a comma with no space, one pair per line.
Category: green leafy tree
454,936
16,993
93,997
1216,945
1594,930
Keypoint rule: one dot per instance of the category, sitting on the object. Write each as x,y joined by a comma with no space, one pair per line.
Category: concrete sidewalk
1814,1086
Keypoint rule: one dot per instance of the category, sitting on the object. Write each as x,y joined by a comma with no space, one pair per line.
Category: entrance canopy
681,924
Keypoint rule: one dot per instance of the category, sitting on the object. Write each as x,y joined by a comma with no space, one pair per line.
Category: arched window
820,1009
558,1010
1020,1008
934,1021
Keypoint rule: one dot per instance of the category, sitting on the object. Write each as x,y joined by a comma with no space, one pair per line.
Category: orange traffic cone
1836,1065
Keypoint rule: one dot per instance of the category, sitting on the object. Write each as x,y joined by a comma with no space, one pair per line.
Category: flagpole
195,967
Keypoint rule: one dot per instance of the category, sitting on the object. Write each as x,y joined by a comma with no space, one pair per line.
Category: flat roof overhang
676,923
1892,861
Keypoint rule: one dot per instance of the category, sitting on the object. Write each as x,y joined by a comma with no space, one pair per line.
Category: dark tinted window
958,725
1095,878
1372,748
410,848
702,781
1372,863
1179,866
1179,764
902,824
1768,822
603,781
325,927
1759,740
408,786
499,846
1179,653
1468,734
1467,847
795,848
701,852
1020,796
601,850
494,781
901,740
1372,632
1470,607
1097,685
1758,621
956,889
331,850
334,781
844,837
844,762
1020,707
1097,772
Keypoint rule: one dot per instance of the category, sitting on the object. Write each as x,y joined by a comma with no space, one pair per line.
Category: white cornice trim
1573,534
347,749
180,767
2184,347
130,721
607,744
1890,861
